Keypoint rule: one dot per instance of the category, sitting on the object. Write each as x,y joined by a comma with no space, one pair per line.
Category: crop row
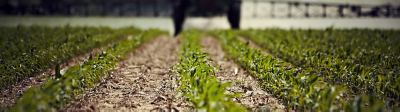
299,89
362,60
198,83
70,82
27,51
18,40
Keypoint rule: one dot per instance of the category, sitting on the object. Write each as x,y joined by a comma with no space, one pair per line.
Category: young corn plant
198,82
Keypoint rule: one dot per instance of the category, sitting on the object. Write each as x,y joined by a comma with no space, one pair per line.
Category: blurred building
163,8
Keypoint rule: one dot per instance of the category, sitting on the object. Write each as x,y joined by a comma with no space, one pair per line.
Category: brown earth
139,83
253,96
10,93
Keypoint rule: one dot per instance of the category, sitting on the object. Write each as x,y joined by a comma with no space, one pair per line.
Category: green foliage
295,86
362,60
27,51
56,93
197,78
365,103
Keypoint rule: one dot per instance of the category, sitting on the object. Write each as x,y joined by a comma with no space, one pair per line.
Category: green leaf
58,73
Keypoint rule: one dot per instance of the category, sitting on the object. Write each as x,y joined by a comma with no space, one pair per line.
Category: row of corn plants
197,79
18,40
298,89
66,84
362,60
27,51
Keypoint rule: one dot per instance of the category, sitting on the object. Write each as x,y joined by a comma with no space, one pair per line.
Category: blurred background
285,14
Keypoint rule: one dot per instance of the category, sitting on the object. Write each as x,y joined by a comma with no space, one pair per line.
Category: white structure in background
247,21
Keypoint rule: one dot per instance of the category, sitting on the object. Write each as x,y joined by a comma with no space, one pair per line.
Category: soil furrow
253,45
253,96
139,82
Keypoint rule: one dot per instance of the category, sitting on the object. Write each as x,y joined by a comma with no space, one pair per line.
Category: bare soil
139,83
253,96
10,93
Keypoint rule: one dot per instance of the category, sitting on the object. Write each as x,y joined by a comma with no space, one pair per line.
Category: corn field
103,69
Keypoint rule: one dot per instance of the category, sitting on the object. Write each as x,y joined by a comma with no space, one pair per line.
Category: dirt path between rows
9,94
139,82
253,45
253,96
